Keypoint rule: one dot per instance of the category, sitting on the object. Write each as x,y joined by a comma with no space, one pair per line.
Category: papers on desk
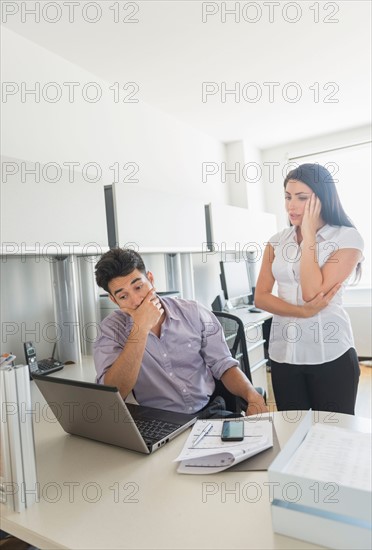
329,469
332,453
212,455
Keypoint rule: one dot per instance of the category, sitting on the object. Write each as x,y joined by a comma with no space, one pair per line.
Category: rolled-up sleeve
214,348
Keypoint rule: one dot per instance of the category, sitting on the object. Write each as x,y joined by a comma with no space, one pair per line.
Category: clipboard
214,456
261,461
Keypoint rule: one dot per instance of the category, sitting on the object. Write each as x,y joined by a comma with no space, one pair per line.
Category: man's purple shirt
177,368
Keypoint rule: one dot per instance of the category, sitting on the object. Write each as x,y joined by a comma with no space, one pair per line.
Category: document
330,453
211,455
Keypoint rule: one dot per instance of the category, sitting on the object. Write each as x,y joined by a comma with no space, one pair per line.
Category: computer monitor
235,282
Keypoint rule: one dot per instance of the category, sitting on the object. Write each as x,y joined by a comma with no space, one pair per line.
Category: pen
205,431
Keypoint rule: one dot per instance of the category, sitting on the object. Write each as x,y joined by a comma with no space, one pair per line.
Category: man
168,351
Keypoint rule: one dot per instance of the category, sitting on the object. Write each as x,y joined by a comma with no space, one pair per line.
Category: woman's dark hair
117,262
320,181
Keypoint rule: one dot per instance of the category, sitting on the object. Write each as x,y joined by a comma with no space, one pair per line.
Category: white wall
273,186
169,155
358,306
168,152
243,175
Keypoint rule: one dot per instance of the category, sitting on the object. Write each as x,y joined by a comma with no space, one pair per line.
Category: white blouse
327,335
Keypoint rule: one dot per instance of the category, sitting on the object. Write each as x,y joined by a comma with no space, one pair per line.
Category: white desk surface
98,496
249,318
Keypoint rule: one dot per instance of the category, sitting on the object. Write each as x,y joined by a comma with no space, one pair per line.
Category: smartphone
232,430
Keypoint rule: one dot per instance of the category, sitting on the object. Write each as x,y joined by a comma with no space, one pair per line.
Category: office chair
234,332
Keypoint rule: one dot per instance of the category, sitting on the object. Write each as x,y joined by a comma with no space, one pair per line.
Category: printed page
333,454
212,454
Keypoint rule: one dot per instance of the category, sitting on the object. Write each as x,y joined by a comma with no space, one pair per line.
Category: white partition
53,218
231,228
155,221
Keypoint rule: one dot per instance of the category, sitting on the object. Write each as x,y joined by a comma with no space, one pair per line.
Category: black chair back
233,329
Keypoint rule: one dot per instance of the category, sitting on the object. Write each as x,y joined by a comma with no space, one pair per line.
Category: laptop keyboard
152,429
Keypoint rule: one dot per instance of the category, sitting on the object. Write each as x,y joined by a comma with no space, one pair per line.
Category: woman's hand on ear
311,220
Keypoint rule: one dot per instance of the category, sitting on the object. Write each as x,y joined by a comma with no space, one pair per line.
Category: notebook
99,412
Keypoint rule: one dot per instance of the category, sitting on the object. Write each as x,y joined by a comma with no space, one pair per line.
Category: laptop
99,412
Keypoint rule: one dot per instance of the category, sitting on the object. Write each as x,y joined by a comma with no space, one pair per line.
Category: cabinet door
253,333
50,219
259,376
256,353
173,223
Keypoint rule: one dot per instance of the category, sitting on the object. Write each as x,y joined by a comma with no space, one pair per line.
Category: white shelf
153,221
232,228
60,218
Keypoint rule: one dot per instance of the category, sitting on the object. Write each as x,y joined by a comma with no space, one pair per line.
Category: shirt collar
169,311
323,232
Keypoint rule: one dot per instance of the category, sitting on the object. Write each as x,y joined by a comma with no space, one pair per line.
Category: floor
364,397
363,403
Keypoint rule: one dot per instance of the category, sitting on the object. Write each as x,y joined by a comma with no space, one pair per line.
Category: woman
313,359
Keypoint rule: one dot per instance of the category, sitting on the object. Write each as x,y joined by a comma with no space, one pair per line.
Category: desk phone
43,366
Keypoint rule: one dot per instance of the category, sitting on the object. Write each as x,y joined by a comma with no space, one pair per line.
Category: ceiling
170,52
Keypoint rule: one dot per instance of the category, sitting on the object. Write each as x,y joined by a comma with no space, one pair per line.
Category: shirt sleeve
276,239
113,334
350,238
214,349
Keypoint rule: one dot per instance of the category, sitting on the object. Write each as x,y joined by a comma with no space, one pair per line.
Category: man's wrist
252,395
139,331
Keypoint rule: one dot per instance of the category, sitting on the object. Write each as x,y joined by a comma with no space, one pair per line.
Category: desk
97,496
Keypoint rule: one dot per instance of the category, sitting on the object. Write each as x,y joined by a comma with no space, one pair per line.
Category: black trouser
221,404
329,386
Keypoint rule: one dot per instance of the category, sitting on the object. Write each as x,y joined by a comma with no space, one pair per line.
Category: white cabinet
49,219
155,221
253,326
230,228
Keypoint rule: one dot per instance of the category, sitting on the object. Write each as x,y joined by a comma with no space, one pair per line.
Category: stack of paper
18,487
321,483
213,455
336,454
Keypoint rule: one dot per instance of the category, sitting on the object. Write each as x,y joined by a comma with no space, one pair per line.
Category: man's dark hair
117,262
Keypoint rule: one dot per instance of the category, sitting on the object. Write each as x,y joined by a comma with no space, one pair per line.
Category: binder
26,434
18,462
6,490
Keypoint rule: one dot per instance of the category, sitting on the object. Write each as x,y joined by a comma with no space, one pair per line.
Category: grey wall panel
26,305
64,281
88,303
